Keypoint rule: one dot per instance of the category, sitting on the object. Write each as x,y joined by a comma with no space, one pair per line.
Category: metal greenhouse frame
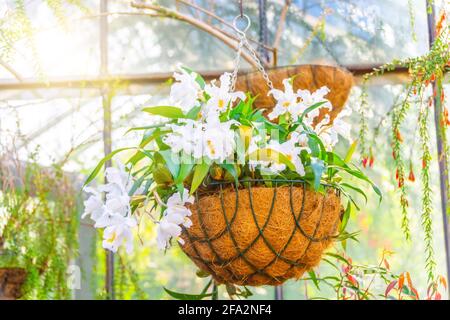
105,79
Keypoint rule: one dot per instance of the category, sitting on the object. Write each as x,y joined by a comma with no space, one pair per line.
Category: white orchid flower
93,206
119,232
302,140
114,213
286,100
329,133
180,200
292,153
308,99
213,139
221,97
185,92
167,230
185,137
253,146
341,127
218,140
175,215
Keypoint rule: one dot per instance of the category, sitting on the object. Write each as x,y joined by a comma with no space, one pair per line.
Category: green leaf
102,163
318,166
316,145
355,189
346,235
165,111
201,170
147,127
350,151
136,185
231,168
193,113
172,165
185,296
314,279
338,257
185,170
336,162
199,79
346,216
309,109
267,154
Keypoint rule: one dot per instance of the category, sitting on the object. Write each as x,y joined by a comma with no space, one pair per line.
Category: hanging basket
259,235
306,77
11,282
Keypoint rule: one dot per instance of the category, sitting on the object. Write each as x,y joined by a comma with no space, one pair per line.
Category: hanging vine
424,71
38,225
427,208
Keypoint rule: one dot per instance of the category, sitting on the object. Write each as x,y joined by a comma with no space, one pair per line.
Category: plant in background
214,134
353,281
38,226
419,92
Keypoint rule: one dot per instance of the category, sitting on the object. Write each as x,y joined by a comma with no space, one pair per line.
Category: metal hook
246,19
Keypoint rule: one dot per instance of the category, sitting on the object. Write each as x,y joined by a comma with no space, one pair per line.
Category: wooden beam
399,75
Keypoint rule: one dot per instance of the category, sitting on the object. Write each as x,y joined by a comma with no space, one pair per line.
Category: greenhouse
224,150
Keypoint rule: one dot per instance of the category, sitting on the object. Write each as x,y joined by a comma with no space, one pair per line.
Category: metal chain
259,64
244,42
237,62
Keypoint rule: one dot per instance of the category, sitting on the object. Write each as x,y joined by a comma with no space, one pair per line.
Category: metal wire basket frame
241,253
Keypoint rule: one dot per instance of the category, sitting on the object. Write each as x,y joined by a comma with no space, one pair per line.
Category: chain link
237,62
259,64
243,42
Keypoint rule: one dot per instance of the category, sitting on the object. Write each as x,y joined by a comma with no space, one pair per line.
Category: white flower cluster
296,103
175,216
112,211
206,137
291,149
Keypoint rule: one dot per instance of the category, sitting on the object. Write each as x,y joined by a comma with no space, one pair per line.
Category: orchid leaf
231,168
200,172
318,166
268,154
147,127
102,163
165,111
185,170
309,109
346,216
193,113
199,79
172,161
355,189
350,151
186,296
316,145
313,277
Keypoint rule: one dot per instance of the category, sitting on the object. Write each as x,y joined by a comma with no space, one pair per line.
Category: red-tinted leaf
437,296
408,278
443,281
386,264
352,280
401,282
415,293
390,287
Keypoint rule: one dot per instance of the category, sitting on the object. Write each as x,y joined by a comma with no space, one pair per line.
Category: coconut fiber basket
306,77
258,235
11,282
